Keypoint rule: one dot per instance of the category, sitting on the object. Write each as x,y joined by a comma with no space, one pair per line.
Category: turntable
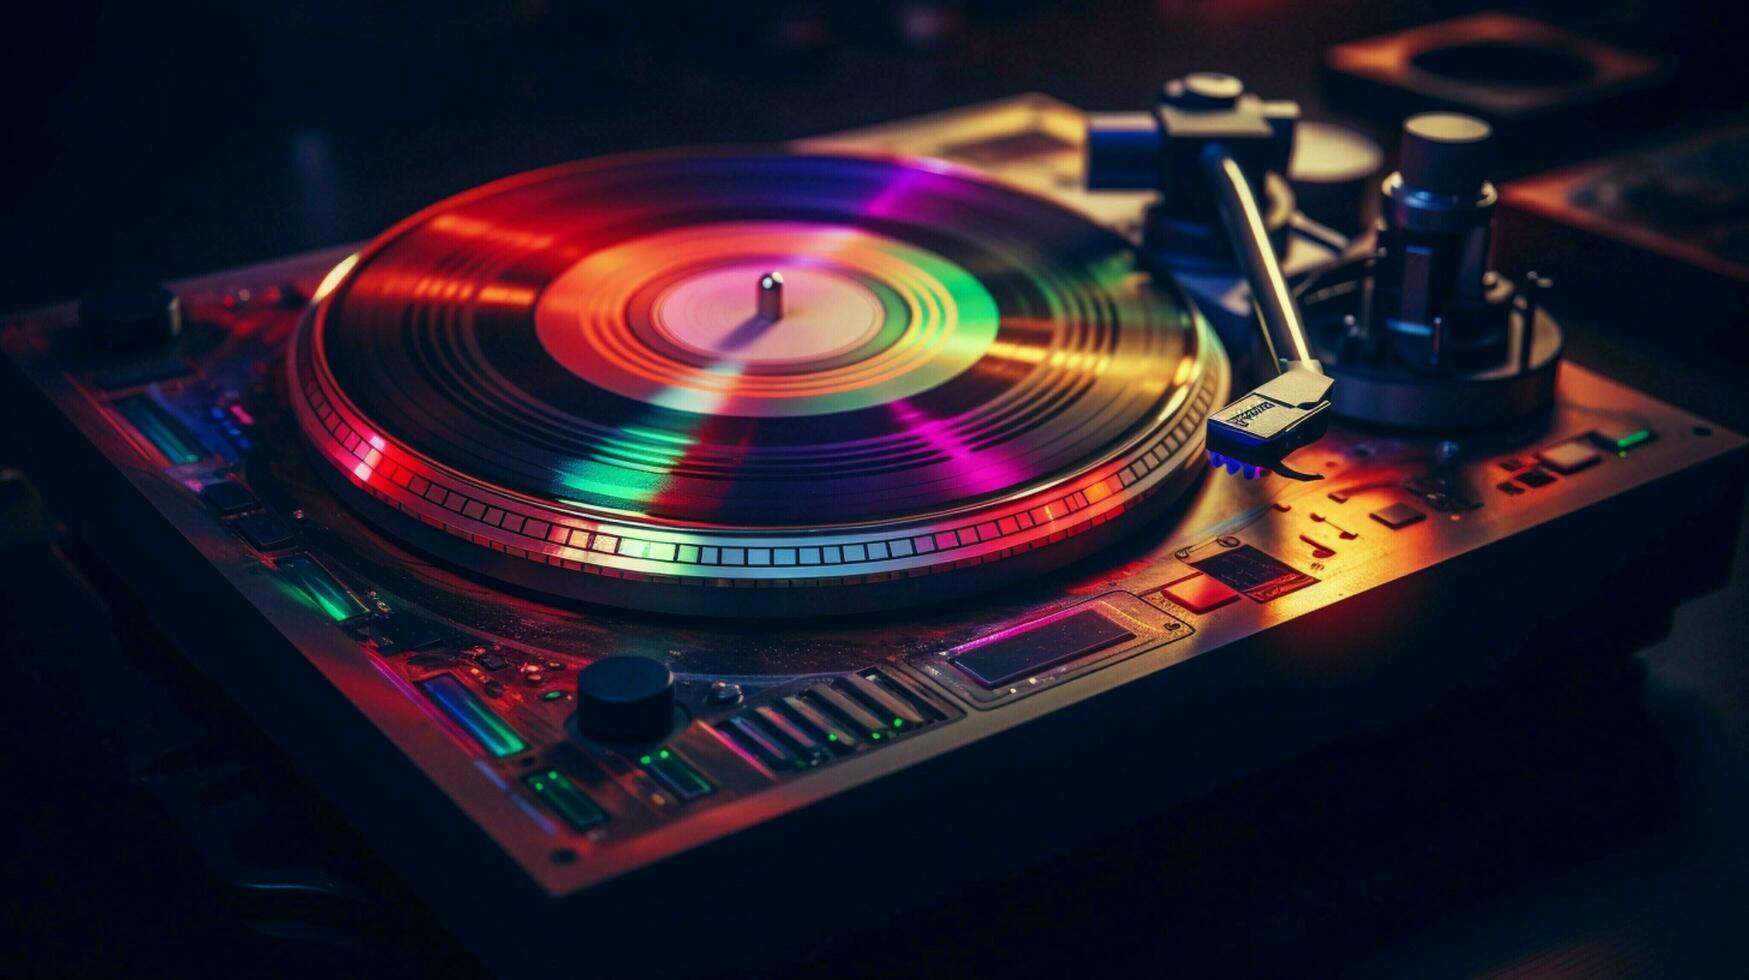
676,524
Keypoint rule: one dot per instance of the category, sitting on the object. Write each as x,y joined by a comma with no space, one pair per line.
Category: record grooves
567,376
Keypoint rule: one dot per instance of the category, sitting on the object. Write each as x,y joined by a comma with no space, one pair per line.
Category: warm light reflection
334,278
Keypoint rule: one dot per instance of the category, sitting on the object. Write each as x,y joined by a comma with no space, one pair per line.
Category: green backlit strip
1633,439
562,796
675,774
465,708
314,581
162,429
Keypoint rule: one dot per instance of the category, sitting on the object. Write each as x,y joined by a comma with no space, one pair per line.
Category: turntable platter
718,383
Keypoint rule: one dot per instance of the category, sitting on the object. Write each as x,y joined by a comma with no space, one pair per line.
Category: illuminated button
1621,438
1397,516
562,796
762,743
265,532
1569,457
851,710
164,430
788,729
837,736
681,779
472,715
228,497
1199,593
321,588
812,746
901,713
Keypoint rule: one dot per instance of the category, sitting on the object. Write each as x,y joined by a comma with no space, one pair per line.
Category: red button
1199,593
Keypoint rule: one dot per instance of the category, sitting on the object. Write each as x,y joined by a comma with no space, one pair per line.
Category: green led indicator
663,753
1633,439
898,723
644,760
831,738
874,736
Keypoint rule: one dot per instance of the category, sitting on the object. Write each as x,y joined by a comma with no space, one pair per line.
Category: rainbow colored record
752,384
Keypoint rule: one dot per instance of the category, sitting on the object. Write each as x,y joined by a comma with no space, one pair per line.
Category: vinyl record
752,383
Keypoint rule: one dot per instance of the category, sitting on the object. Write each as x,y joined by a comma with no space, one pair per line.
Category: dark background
176,138
1570,827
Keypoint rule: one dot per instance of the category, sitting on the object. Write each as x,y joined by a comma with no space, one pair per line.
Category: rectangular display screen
1259,576
1037,648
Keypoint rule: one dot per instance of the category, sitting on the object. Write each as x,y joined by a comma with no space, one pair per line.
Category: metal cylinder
1433,292
770,297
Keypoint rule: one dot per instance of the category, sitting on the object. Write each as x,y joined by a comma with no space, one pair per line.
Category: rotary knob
134,317
1445,152
625,699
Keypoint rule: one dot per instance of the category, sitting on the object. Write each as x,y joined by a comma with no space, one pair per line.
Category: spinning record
743,383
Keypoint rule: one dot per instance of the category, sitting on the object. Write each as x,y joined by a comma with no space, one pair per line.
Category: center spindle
771,296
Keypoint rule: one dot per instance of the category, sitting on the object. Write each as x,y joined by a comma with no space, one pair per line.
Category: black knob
1445,152
625,699
131,318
